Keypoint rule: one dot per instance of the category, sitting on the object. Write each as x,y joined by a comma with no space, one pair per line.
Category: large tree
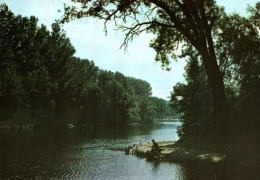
185,22
236,41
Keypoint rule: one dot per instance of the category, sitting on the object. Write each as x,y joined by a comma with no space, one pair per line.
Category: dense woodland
42,83
220,99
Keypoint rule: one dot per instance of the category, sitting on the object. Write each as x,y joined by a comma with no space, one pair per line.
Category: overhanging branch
137,30
177,23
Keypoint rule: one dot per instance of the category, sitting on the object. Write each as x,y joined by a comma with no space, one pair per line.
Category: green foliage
193,100
163,108
143,92
42,83
237,50
191,24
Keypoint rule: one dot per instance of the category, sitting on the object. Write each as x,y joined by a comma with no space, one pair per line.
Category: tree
193,100
162,108
241,68
42,83
145,103
189,22
237,51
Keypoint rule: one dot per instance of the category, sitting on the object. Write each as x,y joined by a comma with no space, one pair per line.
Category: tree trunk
221,113
217,88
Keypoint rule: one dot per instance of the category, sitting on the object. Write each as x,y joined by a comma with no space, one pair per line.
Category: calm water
84,154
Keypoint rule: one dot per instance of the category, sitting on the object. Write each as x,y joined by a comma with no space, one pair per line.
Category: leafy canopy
173,22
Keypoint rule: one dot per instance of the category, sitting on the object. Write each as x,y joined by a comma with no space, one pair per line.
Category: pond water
84,154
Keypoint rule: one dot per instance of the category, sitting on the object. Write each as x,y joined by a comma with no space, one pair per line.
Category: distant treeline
42,83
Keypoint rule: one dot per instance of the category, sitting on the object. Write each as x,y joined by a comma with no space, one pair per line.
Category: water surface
84,154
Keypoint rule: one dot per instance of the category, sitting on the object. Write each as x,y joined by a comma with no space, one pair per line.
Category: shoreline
172,153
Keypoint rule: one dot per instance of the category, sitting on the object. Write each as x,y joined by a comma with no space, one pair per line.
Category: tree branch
207,29
135,30
177,23
192,24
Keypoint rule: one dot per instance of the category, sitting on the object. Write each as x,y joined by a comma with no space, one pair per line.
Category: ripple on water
73,154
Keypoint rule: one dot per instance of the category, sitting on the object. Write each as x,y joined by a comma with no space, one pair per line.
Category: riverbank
172,153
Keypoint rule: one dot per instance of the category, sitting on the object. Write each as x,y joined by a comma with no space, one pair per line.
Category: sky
90,42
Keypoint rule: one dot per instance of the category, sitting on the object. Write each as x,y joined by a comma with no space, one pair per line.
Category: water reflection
79,154
85,154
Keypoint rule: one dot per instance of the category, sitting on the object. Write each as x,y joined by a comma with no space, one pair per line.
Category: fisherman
155,148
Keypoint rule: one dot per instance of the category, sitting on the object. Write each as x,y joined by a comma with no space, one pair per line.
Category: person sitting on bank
155,148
